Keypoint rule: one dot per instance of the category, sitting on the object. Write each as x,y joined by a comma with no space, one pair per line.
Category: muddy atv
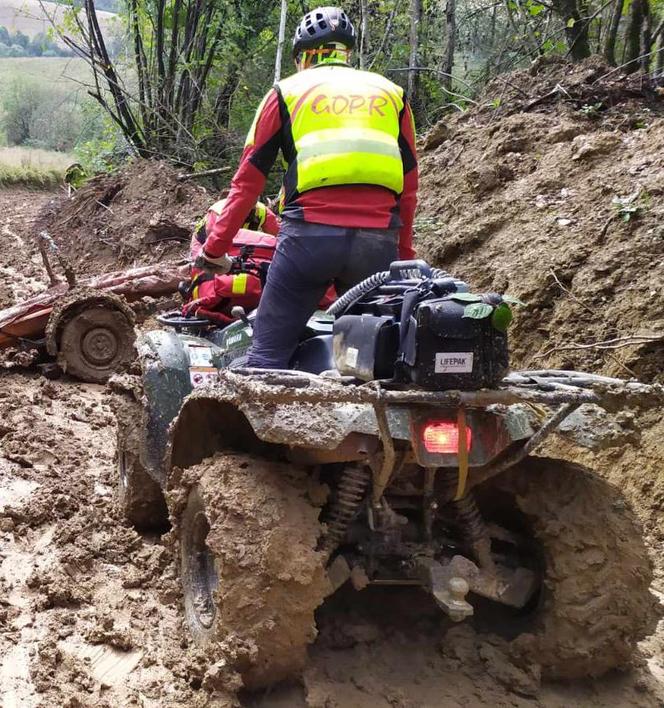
396,452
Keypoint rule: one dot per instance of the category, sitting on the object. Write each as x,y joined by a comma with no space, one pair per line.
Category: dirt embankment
559,202
139,215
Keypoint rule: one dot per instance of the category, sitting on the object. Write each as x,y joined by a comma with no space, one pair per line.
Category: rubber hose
367,285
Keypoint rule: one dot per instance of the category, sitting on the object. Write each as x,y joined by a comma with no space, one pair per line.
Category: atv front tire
250,573
140,497
595,603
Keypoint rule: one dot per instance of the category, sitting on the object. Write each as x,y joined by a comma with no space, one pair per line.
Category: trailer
87,325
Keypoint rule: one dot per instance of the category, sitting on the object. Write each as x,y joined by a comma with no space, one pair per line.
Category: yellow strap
239,286
462,454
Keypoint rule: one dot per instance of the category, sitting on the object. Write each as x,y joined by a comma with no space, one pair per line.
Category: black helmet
324,25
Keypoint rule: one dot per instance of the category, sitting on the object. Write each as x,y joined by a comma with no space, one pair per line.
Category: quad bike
395,451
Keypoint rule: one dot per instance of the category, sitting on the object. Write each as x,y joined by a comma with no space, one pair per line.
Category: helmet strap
331,54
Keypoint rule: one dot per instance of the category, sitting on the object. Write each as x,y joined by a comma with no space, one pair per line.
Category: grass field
60,71
28,16
41,169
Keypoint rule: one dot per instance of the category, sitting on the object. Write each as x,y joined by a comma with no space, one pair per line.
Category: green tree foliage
38,115
183,78
19,45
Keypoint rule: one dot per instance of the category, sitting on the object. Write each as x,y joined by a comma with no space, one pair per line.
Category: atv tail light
442,437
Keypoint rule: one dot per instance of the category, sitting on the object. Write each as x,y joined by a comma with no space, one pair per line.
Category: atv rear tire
595,603
95,343
250,573
139,496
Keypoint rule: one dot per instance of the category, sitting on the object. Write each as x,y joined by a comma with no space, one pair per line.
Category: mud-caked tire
250,572
595,603
139,496
95,343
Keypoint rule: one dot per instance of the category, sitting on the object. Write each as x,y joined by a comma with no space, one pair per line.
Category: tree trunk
450,37
637,16
280,41
577,34
612,34
646,40
413,40
364,32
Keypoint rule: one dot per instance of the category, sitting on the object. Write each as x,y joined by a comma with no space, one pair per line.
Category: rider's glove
192,308
220,265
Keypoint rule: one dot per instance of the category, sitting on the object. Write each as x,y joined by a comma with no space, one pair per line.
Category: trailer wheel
95,343
250,573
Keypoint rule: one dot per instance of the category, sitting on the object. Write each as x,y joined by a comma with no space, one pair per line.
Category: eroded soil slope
559,203
138,215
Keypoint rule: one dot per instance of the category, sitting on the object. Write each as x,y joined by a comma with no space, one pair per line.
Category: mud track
91,612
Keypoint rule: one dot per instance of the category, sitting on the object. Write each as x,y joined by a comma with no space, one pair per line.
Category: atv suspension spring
474,528
352,488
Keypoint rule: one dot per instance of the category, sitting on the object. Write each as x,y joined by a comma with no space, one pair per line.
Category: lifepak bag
420,331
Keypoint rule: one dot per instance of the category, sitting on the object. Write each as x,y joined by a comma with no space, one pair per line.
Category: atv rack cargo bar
566,390
548,387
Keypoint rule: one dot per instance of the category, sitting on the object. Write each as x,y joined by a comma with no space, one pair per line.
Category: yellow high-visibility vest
256,219
345,127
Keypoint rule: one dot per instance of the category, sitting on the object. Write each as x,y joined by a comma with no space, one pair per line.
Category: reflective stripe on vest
239,286
256,219
345,126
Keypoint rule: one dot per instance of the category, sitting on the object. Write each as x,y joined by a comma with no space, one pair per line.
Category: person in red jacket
348,140
214,296
261,218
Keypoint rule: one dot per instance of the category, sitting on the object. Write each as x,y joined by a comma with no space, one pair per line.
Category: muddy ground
90,611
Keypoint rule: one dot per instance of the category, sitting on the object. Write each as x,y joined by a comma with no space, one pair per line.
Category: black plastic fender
172,365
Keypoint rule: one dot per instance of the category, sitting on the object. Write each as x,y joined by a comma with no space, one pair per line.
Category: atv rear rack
546,387
562,391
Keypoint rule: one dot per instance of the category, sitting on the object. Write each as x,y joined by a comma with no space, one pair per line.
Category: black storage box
452,351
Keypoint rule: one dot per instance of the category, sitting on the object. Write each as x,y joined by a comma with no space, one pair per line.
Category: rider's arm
408,200
260,152
271,225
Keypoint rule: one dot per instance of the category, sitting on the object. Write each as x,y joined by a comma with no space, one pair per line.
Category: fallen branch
617,343
41,243
204,173
568,292
555,91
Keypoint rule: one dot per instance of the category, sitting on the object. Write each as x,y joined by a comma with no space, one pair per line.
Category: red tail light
442,437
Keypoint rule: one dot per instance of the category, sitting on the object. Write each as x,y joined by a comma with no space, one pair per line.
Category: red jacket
353,206
216,295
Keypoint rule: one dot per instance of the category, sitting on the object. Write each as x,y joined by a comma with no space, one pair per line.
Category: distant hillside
28,17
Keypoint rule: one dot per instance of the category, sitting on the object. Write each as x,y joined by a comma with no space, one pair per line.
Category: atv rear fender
217,418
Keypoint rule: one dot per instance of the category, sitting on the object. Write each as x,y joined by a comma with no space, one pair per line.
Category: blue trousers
309,257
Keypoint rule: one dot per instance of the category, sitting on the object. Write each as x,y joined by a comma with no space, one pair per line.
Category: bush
39,115
16,51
